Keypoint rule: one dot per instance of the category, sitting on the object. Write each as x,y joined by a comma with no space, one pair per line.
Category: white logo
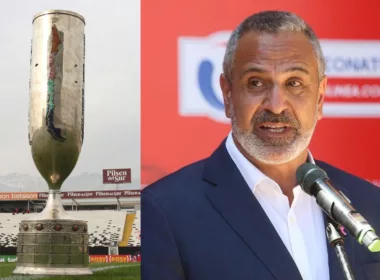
200,64
352,59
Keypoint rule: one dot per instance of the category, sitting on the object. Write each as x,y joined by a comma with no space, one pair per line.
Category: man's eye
255,83
294,83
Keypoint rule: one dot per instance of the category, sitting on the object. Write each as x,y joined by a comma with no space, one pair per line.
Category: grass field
114,271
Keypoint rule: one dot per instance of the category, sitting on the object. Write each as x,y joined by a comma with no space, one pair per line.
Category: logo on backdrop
117,176
200,64
353,70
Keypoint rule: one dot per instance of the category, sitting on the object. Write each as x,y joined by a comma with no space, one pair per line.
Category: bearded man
240,214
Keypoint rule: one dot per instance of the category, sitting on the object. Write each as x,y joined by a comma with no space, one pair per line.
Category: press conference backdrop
183,43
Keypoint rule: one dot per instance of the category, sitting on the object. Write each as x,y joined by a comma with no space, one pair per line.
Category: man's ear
225,86
321,97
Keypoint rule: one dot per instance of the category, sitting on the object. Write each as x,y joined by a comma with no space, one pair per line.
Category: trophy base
53,247
52,271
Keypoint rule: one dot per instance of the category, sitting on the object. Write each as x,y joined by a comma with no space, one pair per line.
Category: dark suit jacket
203,223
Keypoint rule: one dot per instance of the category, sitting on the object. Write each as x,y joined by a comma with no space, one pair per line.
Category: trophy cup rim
59,11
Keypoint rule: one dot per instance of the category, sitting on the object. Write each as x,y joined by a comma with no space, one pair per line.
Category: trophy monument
52,242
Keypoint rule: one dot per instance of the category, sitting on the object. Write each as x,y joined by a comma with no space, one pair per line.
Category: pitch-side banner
113,258
68,195
183,44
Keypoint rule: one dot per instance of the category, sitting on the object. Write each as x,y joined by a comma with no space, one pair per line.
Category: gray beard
267,152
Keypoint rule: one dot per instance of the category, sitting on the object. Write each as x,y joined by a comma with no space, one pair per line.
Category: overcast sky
112,89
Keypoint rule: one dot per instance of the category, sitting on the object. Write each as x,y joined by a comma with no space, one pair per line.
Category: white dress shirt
301,226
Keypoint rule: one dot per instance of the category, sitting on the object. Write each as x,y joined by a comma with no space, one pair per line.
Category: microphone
315,182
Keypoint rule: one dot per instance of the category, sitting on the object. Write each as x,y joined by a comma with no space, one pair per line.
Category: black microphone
315,182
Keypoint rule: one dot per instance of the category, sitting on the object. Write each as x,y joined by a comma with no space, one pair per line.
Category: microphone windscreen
307,174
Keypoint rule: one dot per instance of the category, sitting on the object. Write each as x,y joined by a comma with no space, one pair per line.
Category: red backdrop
171,139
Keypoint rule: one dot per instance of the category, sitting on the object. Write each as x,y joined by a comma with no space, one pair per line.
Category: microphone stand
336,240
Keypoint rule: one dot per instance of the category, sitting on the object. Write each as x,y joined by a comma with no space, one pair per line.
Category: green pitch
103,271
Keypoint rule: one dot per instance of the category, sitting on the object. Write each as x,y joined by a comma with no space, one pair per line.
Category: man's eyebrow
297,69
252,69
255,69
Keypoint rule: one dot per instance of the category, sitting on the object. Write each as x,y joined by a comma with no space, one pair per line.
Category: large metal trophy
52,242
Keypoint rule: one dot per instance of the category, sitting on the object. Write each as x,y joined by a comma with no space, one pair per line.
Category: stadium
113,225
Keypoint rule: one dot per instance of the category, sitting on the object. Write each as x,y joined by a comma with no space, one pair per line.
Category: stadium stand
9,229
113,218
105,227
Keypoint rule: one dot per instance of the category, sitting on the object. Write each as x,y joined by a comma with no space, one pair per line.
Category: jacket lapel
235,202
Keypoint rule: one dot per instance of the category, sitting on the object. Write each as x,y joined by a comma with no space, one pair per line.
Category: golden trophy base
53,246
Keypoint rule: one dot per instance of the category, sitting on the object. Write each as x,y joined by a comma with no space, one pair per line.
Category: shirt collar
252,175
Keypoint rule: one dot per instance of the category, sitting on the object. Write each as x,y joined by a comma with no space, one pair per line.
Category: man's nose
276,100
